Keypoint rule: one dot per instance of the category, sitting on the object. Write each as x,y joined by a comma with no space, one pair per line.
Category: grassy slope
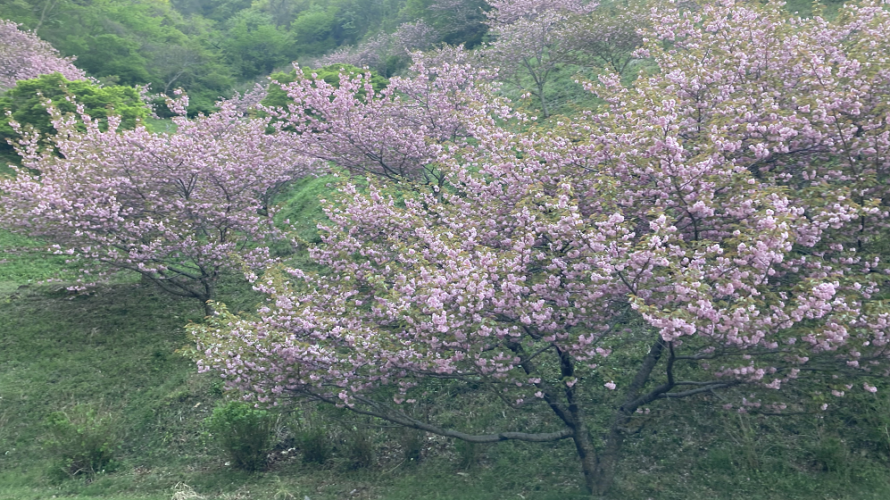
115,350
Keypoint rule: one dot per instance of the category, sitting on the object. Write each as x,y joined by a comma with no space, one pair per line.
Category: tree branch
383,412
693,392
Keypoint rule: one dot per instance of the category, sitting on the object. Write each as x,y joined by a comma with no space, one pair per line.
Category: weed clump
244,432
831,455
359,449
83,440
315,445
468,453
412,445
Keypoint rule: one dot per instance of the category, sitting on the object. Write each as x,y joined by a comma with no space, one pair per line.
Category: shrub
83,440
244,432
25,101
412,445
468,453
315,445
359,449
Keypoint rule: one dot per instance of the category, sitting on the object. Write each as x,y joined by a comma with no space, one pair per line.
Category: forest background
211,48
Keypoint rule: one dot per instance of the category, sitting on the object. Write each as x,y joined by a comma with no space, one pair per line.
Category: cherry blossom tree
24,56
609,36
537,39
371,53
720,226
411,37
534,39
397,132
175,208
377,52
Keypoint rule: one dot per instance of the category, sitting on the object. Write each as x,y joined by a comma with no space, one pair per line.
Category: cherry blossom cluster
398,132
761,168
24,56
250,101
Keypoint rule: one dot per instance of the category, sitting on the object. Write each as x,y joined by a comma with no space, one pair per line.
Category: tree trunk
588,457
544,110
209,283
606,463
598,468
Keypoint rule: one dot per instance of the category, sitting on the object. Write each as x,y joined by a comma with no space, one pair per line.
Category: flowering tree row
722,224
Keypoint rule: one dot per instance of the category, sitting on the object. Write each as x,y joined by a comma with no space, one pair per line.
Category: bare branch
381,411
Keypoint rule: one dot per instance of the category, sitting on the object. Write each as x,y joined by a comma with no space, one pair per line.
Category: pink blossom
708,206
24,56
174,208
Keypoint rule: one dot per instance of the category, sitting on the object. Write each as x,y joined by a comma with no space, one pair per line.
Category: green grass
805,7
301,207
24,261
159,125
115,349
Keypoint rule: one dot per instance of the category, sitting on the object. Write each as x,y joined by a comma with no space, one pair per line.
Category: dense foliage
131,43
26,105
209,47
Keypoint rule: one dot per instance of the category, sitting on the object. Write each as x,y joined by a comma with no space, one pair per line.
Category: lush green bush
25,103
412,445
135,42
359,448
83,440
315,443
244,432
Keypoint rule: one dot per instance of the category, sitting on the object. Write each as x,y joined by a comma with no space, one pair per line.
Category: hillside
600,251
116,350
